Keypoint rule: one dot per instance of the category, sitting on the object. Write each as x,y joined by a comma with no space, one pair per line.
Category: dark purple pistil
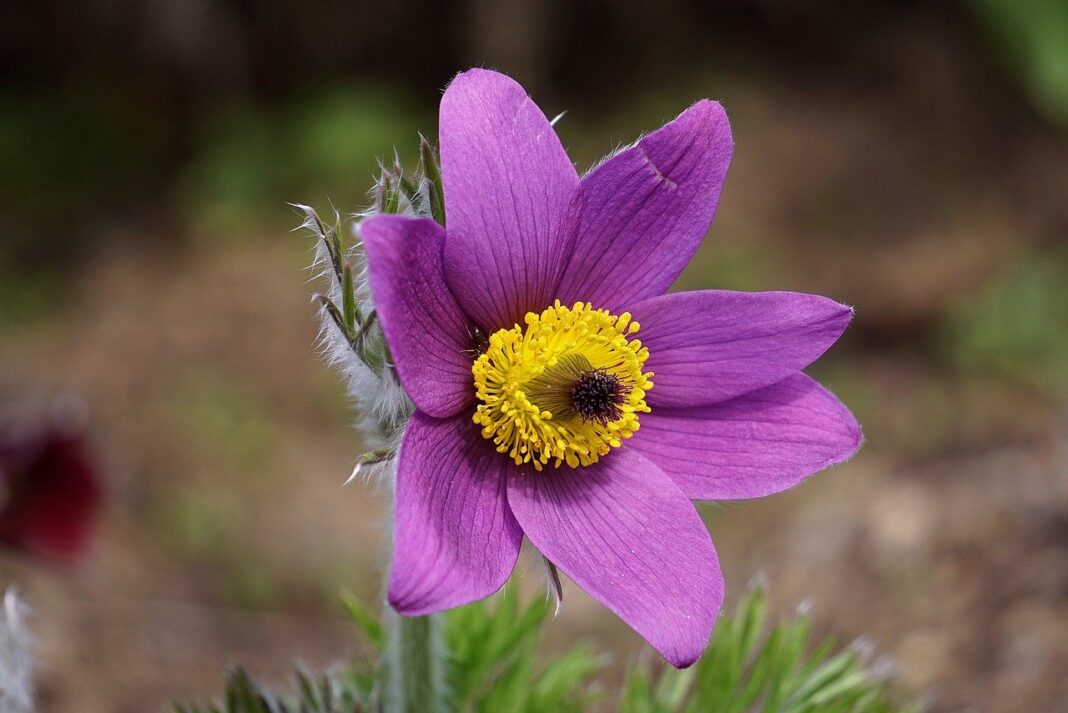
597,396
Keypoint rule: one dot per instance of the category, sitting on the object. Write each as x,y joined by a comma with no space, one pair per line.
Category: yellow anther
526,385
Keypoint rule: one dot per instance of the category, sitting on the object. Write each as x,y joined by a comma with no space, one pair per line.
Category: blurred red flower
49,491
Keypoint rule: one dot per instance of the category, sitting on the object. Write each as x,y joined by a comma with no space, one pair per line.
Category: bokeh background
908,158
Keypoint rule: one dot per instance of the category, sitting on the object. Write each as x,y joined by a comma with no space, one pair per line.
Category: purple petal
757,444
510,199
427,332
647,209
626,534
455,540
710,346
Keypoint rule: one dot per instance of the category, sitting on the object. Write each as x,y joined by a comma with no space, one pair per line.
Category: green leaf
637,696
1033,36
561,678
493,661
368,624
493,665
751,665
390,194
348,303
673,688
409,192
428,157
338,692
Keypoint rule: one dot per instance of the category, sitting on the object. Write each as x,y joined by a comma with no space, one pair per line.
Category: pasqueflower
50,491
561,394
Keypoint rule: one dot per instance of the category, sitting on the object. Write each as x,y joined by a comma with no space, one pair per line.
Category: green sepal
390,194
428,158
349,310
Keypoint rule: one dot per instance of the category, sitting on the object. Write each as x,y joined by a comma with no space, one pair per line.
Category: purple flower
539,410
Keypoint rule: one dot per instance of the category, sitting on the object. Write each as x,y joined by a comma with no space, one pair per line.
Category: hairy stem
414,660
415,666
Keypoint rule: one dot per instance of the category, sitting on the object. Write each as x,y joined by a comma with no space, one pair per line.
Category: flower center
568,388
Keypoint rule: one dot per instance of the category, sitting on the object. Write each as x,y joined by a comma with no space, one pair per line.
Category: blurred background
908,158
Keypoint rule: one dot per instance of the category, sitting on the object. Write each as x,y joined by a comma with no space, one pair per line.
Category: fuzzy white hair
377,395
16,664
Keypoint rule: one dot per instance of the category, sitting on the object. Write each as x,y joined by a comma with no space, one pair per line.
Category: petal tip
837,316
856,435
399,602
407,600
852,437
711,107
684,661
480,75
686,654
713,117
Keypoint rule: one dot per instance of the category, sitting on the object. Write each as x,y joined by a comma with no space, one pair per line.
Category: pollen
566,388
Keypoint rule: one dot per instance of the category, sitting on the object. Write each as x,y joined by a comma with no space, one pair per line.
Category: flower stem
414,664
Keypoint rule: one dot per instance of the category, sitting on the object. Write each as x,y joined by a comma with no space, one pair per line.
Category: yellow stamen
525,382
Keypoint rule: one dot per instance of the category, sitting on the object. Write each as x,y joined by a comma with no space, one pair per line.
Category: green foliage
1017,325
368,625
333,693
493,665
1033,35
493,662
421,193
225,421
27,296
428,159
72,149
750,666
249,159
